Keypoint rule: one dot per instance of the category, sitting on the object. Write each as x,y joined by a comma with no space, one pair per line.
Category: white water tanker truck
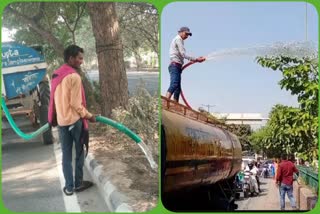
25,84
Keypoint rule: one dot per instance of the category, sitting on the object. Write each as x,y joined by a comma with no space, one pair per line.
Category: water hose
100,119
182,95
120,127
45,127
16,128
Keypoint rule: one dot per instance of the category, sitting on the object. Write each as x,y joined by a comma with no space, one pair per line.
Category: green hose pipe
16,128
120,127
45,127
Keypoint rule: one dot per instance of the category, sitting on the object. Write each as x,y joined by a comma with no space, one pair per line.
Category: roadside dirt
126,166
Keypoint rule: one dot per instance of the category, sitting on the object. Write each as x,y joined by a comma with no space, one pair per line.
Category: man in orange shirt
67,109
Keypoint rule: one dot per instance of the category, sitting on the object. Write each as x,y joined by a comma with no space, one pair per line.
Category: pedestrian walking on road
177,55
276,166
285,181
67,110
272,169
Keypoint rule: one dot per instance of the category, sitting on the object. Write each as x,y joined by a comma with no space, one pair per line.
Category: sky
6,35
234,84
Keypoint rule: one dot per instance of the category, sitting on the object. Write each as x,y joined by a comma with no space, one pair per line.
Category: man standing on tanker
177,55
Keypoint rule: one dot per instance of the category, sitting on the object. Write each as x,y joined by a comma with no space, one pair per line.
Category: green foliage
86,40
139,27
70,23
292,129
258,142
96,91
300,76
141,116
59,20
243,132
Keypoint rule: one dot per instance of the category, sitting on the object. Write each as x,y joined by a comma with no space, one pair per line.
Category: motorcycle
248,185
238,182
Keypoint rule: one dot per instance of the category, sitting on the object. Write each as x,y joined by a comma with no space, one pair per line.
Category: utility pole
208,106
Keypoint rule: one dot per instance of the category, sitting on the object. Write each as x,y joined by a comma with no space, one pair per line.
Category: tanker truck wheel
44,97
163,158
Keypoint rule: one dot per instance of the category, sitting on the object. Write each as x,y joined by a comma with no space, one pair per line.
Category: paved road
268,199
150,80
32,178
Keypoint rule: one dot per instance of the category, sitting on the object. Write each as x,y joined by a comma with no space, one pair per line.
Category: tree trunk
112,74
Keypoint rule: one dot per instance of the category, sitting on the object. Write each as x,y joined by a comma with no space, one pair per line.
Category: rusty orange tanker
196,150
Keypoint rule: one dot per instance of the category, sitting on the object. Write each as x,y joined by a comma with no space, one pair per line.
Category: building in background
255,120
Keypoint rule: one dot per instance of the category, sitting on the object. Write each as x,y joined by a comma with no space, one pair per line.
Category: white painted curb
115,201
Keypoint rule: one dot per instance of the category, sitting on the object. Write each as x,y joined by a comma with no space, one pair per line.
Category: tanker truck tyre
44,100
163,159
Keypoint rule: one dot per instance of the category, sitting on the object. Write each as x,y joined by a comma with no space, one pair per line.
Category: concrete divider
296,193
115,200
306,199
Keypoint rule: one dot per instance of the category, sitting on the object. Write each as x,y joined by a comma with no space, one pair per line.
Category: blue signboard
22,82
14,54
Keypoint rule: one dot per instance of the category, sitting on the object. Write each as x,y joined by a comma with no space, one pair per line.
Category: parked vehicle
25,84
264,168
238,182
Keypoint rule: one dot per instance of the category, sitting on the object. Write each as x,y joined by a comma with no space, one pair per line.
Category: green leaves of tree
54,25
292,129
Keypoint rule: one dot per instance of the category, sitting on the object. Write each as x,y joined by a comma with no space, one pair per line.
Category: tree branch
44,34
79,14
66,22
36,18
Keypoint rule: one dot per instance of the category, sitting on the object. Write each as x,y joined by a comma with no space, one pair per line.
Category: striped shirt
177,51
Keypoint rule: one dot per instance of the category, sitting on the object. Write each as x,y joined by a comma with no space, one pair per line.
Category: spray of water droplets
290,49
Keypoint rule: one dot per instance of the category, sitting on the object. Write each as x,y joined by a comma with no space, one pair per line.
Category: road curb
116,201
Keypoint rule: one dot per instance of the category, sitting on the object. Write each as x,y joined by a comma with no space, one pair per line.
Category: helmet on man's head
251,163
